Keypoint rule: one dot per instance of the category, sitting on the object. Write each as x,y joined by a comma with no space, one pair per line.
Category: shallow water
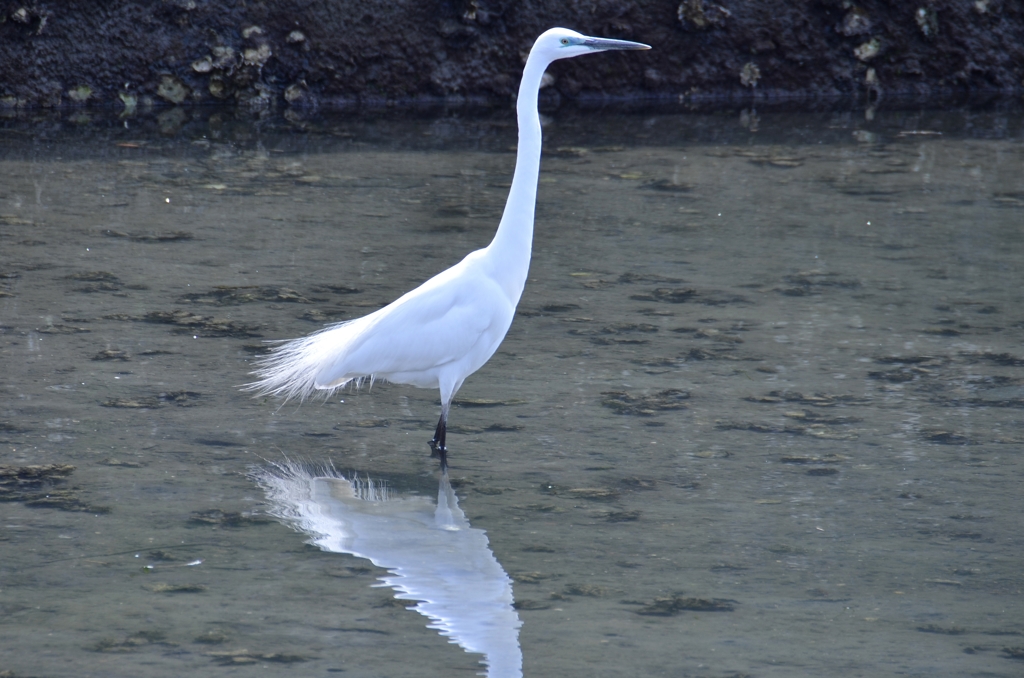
759,412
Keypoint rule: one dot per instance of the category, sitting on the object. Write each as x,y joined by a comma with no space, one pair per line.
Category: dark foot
437,446
439,452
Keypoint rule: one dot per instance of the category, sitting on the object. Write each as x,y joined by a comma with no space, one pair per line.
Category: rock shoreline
313,54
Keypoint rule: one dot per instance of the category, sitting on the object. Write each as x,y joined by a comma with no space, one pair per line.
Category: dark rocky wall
327,52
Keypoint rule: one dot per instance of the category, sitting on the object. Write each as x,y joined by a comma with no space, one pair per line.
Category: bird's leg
437,446
439,434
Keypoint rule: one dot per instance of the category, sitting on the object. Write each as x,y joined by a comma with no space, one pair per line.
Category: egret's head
561,43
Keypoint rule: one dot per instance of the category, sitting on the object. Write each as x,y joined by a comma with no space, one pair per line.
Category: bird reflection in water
431,553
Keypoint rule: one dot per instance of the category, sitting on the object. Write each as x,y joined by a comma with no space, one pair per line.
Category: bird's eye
565,41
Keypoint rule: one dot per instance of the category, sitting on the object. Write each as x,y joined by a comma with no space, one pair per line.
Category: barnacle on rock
927,21
223,56
171,89
252,32
218,87
868,50
204,65
856,22
294,92
701,15
750,74
130,101
80,94
257,56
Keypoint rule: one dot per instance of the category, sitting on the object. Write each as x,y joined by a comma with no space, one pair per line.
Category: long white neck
509,252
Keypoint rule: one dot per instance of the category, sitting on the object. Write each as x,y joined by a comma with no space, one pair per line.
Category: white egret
447,328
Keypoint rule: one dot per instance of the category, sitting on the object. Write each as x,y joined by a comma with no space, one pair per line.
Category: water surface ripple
759,412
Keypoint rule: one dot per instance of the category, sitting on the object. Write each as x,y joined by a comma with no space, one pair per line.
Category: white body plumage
432,337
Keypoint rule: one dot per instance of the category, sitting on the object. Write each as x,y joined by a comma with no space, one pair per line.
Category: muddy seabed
759,413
